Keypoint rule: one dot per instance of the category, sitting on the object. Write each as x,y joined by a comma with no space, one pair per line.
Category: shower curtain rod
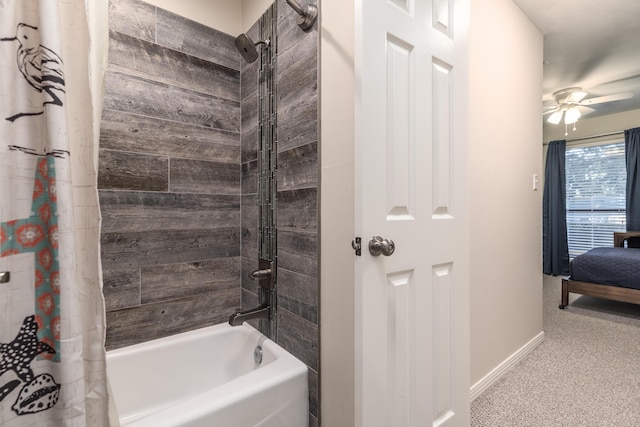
602,135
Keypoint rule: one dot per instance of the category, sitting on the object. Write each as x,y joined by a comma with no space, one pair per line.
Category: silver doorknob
378,246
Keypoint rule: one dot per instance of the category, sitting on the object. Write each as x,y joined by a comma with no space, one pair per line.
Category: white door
412,309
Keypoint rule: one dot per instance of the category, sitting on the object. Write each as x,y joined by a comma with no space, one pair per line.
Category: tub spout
239,317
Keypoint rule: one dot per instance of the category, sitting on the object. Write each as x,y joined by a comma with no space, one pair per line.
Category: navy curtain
632,156
555,248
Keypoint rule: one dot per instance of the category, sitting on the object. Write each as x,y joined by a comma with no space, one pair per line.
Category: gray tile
177,32
297,209
298,82
249,227
172,67
298,252
139,95
133,17
298,123
314,389
249,142
193,176
298,167
250,178
248,265
301,328
148,135
151,321
249,299
304,350
173,281
249,113
304,310
139,210
121,288
123,250
249,81
293,45
298,294
128,171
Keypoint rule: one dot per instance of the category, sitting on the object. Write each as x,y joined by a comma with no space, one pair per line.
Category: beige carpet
585,373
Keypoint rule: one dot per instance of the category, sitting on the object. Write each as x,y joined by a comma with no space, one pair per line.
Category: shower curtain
52,359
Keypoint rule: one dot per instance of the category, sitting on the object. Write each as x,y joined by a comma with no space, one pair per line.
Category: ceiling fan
571,104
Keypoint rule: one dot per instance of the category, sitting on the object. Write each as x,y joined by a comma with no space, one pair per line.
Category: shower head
247,47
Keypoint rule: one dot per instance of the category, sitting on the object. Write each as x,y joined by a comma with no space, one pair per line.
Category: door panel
412,307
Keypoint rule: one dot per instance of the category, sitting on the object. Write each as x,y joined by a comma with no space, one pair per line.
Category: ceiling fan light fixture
572,115
570,94
571,104
555,117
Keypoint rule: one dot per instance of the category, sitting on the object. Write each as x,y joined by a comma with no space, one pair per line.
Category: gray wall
169,175
298,284
297,184
178,180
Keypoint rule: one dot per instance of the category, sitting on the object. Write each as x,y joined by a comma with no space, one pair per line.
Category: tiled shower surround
178,180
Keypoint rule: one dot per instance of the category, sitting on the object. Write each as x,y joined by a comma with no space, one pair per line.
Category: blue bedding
608,266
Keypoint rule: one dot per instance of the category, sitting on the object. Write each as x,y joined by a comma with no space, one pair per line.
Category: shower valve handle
260,274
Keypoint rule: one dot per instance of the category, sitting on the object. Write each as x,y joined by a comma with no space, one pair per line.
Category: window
596,188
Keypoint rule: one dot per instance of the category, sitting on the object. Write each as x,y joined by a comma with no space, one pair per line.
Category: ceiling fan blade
607,98
575,96
553,110
585,110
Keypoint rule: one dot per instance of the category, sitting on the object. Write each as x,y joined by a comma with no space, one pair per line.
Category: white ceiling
594,44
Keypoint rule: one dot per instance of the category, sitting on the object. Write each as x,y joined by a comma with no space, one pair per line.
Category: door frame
337,88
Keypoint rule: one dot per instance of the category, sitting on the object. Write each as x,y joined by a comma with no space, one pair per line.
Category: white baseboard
478,388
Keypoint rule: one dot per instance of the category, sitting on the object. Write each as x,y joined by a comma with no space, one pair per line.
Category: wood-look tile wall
298,286
169,175
297,172
178,180
249,158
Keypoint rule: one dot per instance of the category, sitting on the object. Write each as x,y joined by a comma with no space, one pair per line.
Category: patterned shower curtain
52,359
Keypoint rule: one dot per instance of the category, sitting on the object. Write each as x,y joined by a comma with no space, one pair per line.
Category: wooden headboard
619,238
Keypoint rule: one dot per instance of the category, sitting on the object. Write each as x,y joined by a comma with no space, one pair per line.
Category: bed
611,273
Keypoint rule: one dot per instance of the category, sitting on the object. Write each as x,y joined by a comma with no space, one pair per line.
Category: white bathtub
208,377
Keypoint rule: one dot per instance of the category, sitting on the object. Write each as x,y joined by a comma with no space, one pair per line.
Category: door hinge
356,244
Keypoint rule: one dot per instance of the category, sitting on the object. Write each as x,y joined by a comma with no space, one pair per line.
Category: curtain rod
602,135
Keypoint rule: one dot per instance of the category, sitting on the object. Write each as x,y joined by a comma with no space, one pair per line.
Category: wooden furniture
619,237
615,293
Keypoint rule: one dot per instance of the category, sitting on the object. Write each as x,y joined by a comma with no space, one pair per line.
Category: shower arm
307,17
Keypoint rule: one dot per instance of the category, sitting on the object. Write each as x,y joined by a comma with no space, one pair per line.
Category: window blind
596,185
